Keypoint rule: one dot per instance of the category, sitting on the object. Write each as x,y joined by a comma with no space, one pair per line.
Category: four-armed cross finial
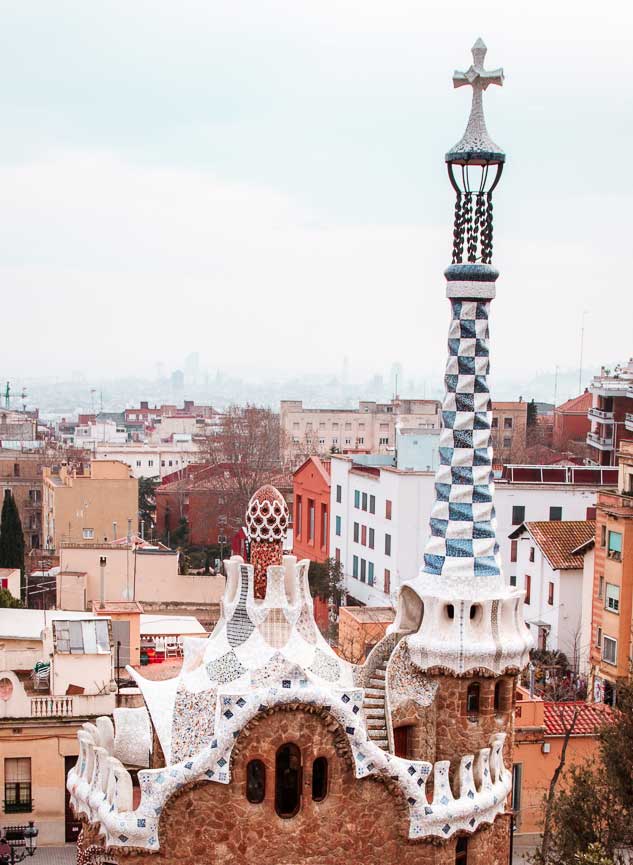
476,143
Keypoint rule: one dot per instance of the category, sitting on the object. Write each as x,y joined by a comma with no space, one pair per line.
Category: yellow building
95,505
55,675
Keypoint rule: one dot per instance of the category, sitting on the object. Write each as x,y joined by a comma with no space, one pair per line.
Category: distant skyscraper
178,380
192,367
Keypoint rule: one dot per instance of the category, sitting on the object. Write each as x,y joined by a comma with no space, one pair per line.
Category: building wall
147,461
614,513
74,504
47,744
144,576
412,496
311,487
509,428
23,476
370,428
359,821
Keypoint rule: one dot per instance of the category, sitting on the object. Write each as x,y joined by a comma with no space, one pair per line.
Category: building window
387,581
387,545
591,514
355,567
287,780
372,535
298,515
615,546
255,781
370,573
472,699
339,493
348,426
387,509
531,554
337,554
372,504
357,498
323,526
360,441
528,588
364,501
603,536
550,594
461,851
150,463
319,779
383,440
337,523
517,778
138,464
601,587
402,737
609,650
495,423
513,580
507,423
363,570
17,785
507,441
612,599
88,534
311,521
599,637
518,515
555,514
514,548
81,637
356,532
497,697
363,535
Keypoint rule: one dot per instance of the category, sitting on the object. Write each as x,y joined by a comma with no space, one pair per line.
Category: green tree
180,535
11,535
7,600
594,855
147,503
593,807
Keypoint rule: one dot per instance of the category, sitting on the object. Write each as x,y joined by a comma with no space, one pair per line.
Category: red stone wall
360,822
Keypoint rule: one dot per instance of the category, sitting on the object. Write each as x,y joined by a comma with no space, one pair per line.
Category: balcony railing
18,807
51,707
600,416
604,443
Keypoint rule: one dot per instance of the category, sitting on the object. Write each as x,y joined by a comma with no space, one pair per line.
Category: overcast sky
263,182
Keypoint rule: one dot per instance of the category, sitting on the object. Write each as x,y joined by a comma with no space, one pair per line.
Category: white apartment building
92,434
369,503
150,461
555,566
369,428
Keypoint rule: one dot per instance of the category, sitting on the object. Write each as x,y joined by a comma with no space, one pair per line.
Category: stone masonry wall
360,822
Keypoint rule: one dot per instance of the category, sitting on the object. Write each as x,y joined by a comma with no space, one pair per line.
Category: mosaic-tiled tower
463,615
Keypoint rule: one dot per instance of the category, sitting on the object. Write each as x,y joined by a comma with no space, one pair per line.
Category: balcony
603,443
628,422
600,416
78,706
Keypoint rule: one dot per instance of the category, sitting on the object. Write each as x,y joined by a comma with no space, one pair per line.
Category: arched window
472,699
461,851
287,780
499,686
255,781
319,779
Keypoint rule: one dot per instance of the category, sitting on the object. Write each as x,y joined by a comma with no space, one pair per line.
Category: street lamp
17,842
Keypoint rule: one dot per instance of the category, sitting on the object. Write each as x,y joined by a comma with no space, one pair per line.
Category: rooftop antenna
23,398
582,345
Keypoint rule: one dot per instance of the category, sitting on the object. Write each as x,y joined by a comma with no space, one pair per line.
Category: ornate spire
476,143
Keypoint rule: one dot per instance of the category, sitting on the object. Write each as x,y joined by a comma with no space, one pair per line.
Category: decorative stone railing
51,707
101,789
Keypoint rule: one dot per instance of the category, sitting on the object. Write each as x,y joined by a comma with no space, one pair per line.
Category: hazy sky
263,182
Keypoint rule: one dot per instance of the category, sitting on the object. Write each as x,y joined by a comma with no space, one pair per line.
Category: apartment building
151,461
612,618
554,564
93,503
370,428
571,421
611,413
22,474
56,673
311,530
362,495
508,429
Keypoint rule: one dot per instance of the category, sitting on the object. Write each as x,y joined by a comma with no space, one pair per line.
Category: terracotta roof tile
559,538
580,403
591,716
